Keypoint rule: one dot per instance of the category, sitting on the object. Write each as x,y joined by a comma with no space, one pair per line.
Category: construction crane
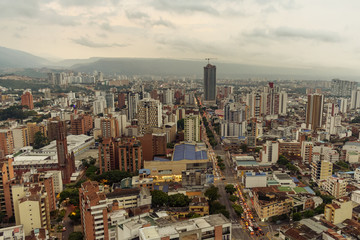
208,59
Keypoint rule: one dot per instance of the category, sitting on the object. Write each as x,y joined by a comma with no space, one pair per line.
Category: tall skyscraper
314,111
355,99
210,82
66,161
27,100
342,88
149,115
132,102
192,128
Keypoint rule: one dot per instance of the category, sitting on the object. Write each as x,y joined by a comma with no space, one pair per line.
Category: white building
12,233
255,179
284,180
192,128
355,99
355,196
335,186
357,174
306,151
270,152
149,114
99,105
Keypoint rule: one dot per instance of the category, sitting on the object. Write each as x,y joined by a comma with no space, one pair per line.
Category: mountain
172,67
11,58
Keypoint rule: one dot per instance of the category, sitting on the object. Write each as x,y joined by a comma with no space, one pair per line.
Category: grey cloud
21,8
162,22
106,26
307,34
293,33
84,3
180,6
85,41
136,15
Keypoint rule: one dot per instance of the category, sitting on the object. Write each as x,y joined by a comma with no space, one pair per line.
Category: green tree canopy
76,236
230,188
40,140
297,216
238,209
282,160
233,198
178,200
212,193
111,177
159,198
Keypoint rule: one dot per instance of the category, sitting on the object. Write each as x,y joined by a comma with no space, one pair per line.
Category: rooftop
188,151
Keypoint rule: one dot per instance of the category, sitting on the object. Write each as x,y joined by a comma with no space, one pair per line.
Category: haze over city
285,33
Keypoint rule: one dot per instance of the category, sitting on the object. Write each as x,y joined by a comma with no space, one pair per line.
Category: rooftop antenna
208,59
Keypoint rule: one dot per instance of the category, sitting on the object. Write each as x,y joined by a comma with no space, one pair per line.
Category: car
223,178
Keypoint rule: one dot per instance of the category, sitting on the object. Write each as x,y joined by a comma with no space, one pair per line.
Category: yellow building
34,212
339,210
269,203
321,170
187,156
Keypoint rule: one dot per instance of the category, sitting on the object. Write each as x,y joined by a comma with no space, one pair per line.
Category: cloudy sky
290,33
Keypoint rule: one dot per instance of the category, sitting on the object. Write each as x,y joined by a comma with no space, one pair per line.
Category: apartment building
338,211
269,203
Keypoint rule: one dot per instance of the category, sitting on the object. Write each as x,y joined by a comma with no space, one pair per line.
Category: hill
11,58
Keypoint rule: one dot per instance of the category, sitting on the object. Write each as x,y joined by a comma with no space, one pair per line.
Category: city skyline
285,33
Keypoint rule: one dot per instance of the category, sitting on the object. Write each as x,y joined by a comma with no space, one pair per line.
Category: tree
91,172
75,216
76,236
297,216
180,124
230,189
244,148
178,200
320,209
282,160
238,209
170,145
114,176
212,193
159,198
233,198
216,207
40,140
327,198
308,214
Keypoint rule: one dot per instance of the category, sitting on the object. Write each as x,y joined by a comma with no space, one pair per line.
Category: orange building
81,125
93,210
123,154
6,142
27,100
6,175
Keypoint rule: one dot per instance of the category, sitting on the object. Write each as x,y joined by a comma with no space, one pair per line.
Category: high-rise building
27,100
31,207
6,142
210,82
93,210
66,161
81,124
254,102
343,105
21,137
342,88
270,152
149,115
339,210
123,154
109,127
109,97
6,176
321,170
132,104
99,105
121,100
314,111
192,128
153,145
335,186
355,99
169,96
